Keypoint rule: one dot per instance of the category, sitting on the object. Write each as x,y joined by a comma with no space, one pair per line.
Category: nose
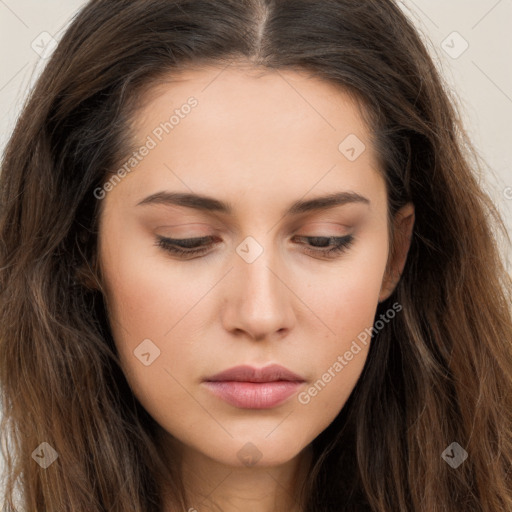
258,302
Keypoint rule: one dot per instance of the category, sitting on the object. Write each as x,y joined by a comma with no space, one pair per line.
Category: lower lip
253,395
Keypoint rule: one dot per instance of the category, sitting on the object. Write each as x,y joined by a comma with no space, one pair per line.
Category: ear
403,224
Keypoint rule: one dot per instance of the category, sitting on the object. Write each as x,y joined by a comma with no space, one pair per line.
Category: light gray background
481,75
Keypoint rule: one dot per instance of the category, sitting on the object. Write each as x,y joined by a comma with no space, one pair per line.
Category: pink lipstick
254,388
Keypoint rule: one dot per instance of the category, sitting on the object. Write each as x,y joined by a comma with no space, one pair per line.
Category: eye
328,246
185,246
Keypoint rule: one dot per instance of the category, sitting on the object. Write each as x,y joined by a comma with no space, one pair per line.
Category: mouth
247,387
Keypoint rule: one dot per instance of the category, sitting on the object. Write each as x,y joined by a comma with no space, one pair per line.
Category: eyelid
331,250
336,223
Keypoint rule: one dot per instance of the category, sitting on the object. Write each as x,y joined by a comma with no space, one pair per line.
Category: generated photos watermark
343,360
152,141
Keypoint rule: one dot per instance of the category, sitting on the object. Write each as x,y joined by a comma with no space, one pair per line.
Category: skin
259,141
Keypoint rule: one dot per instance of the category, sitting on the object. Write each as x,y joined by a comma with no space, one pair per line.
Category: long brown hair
440,372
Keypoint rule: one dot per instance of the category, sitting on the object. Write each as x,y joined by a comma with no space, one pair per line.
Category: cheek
346,295
346,303
149,309
146,299
146,294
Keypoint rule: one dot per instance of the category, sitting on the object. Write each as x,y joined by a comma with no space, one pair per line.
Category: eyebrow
210,204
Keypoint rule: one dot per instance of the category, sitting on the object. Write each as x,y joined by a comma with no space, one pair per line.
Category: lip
247,387
246,373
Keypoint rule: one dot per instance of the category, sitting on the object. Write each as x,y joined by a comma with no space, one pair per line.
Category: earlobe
403,227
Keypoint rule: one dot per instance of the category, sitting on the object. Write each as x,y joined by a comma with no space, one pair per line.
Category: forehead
267,131
268,99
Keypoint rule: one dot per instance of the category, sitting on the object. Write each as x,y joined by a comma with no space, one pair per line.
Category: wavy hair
440,372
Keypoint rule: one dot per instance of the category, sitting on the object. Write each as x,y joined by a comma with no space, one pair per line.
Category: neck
211,486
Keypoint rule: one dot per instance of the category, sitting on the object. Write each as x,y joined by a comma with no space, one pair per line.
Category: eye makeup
323,246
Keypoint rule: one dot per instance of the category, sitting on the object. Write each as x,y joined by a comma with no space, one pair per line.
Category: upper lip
247,373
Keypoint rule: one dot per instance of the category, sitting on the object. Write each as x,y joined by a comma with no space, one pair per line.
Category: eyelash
339,244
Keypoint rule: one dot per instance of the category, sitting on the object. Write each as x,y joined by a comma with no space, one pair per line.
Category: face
266,274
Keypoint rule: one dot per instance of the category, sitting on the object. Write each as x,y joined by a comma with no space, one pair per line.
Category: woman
246,265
